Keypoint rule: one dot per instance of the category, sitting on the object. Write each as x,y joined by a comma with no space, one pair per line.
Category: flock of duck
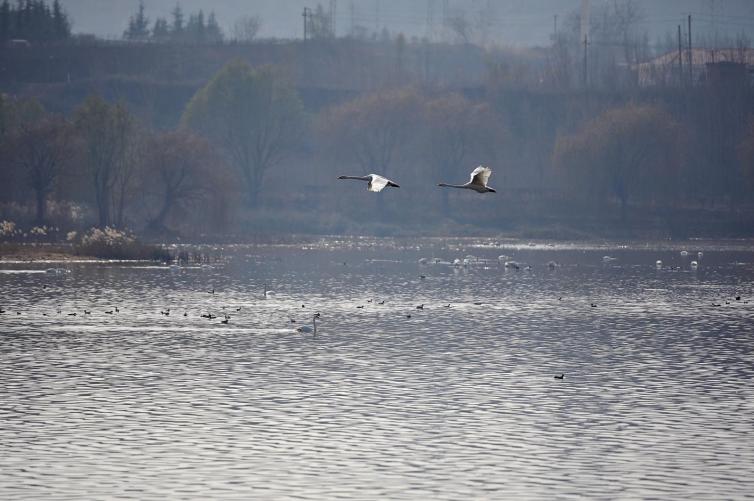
467,261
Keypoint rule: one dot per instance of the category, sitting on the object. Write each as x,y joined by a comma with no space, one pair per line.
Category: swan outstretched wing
377,183
480,176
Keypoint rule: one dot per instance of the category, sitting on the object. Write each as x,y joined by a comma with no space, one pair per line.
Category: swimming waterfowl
305,329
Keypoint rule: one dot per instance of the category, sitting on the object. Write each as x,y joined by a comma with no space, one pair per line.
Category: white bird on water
477,182
305,329
268,293
376,183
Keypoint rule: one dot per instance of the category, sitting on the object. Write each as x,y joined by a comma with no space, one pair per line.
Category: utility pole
351,9
691,57
333,15
680,58
585,76
429,20
305,14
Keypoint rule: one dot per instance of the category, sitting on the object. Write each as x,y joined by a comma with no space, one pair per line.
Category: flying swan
477,181
376,183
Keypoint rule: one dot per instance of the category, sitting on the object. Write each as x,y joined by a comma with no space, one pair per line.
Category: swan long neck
358,178
453,185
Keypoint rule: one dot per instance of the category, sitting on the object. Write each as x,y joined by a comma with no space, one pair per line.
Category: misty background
514,22
230,119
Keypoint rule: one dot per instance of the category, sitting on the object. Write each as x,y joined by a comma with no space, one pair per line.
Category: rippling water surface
453,402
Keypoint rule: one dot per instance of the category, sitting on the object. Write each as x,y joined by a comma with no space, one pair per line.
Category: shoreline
11,252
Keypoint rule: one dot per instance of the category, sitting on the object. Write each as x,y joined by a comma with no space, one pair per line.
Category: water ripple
453,402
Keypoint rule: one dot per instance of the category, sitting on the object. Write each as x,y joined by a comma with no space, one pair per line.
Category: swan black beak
492,191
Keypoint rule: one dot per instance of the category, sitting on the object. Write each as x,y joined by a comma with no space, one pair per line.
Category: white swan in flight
305,329
376,183
477,182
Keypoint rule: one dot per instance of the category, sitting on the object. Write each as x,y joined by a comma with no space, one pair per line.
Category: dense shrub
110,243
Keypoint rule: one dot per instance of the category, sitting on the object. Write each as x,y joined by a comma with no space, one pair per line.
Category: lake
455,400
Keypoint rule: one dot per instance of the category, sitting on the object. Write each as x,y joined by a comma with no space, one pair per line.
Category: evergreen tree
33,20
5,21
61,24
195,29
214,34
177,28
138,25
160,30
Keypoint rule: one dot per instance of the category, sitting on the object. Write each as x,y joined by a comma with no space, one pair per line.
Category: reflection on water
453,402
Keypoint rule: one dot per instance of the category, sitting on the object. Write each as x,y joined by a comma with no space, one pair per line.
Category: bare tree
246,28
126,176
459,131
460,26
373,129
182,171
105,132
41,151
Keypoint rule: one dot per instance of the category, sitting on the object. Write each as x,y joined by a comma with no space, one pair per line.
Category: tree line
195,29
246,144
33,21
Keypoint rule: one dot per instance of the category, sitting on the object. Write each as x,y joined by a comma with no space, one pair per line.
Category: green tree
253,115
106,132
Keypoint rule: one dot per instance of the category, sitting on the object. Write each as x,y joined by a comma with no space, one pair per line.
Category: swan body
376,182
268,293
477,181
305,329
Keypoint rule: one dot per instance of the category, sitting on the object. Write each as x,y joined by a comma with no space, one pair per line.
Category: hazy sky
515,22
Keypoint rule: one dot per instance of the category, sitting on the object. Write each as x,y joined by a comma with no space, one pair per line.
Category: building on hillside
706,65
